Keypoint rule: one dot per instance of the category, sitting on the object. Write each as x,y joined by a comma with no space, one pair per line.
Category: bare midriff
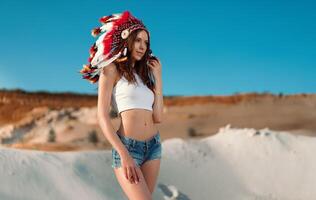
137,124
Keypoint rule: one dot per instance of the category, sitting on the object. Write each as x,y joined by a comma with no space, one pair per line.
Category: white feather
107,62
100,39
98,57
104,63
116,16
106,27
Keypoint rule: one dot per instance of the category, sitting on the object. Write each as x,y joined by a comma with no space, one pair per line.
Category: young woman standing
129,78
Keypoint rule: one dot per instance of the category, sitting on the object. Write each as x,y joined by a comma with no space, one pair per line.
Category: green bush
93,137
51,135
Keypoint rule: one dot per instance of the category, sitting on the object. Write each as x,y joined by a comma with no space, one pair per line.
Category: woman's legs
150,171
147,155
133,191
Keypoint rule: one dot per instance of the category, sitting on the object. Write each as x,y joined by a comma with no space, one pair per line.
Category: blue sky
206,47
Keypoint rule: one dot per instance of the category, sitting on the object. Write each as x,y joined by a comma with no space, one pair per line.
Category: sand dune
235,164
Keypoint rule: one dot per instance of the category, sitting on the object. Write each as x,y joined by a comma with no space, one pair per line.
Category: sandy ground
236,164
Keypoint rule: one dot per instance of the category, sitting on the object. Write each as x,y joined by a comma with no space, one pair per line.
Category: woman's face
140,45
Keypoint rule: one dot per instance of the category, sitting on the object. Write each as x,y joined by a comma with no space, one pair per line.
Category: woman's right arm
106,83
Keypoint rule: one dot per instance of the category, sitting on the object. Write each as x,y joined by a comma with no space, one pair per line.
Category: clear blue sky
206,47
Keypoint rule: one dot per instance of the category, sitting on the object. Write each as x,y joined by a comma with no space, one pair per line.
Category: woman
130,79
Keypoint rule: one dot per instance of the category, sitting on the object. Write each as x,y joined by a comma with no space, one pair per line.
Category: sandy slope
72,126
233,164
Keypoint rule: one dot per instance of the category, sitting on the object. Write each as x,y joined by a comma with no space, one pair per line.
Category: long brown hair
125,68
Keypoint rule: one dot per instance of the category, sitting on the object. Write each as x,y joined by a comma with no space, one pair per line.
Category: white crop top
131,95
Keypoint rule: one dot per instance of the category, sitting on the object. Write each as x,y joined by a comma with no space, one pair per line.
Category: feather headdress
111,45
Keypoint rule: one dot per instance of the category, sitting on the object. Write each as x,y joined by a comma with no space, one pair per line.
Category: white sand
234,164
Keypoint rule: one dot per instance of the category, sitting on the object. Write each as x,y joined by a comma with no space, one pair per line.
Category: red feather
104,19
107,41
96,31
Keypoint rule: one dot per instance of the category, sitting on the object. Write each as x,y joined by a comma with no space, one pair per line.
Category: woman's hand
155,65
129,167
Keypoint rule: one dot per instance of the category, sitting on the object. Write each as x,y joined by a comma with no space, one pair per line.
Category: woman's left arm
158,102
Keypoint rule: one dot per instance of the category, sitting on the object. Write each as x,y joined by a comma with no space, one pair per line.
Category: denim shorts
140,151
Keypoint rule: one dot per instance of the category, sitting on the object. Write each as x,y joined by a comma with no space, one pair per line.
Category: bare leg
150,171
133,191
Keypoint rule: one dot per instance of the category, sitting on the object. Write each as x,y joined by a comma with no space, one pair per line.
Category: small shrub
192,132
280,94
93,137
51,135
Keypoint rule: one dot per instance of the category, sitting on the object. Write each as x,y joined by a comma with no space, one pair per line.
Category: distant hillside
14,104
68,121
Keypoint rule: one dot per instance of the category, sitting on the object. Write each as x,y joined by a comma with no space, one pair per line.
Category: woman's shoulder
110,71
